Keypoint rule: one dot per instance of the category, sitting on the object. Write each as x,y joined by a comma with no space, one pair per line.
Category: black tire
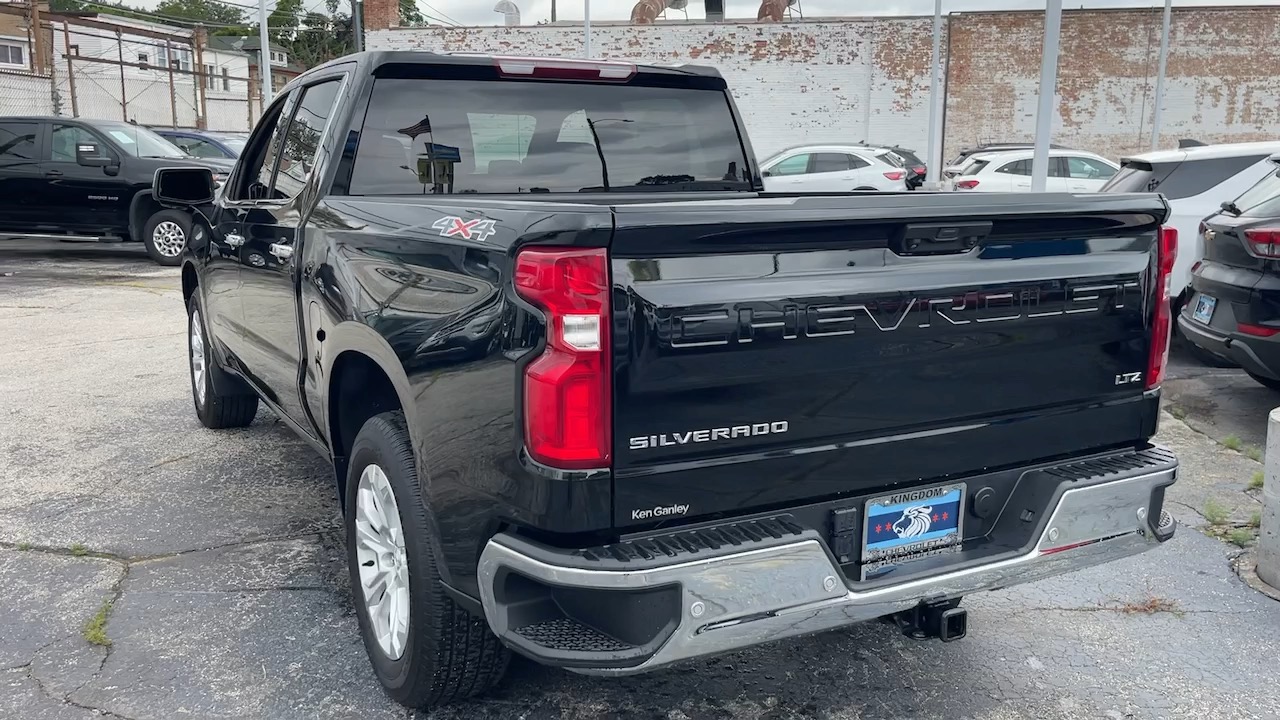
449,653
1266,381
165,253
215,410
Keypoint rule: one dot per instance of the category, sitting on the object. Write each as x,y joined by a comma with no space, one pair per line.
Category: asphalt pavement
150,568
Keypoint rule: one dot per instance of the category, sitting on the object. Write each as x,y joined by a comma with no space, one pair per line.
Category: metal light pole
933,167
357,24
1048,101
1164,59
586,28
264,61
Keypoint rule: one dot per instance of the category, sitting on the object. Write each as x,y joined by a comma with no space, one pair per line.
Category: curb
1246,566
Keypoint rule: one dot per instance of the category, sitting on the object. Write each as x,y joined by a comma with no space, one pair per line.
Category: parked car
1233,310
907,160
64,176
996,147
201,143
1195,180
831,168
608,420
1072,171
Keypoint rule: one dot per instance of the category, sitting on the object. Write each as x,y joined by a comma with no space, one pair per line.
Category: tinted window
197,147
302,143
64,141
263,164
1263,199
17,143
1088,169
1017,167
856,162
830,162
1180,179
892,158
454,136
795,165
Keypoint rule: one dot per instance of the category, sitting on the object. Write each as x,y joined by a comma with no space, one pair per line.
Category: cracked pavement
221,555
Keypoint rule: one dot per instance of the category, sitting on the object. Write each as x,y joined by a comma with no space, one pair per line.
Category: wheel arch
362,378
141,208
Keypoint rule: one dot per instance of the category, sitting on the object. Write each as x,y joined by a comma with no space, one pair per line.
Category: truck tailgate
776,349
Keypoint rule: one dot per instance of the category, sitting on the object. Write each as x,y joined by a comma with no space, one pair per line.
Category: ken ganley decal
453,226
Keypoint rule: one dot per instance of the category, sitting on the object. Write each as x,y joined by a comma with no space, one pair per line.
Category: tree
410,14
202,11
322,36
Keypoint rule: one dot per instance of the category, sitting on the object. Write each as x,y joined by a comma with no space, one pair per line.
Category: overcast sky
480,12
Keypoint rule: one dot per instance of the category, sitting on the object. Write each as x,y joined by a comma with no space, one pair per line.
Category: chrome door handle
235,240
282,252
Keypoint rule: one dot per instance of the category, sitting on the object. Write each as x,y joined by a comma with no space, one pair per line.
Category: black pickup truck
592,396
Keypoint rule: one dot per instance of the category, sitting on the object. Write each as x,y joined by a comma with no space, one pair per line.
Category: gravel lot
212,562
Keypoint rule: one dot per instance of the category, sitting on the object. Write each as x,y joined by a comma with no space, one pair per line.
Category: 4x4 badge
453,226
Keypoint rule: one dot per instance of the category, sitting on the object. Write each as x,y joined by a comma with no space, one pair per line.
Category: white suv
832,168
1195,181
1010,171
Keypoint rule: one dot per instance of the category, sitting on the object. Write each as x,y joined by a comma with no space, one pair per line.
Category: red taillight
567,420
919,170
556,69
1162,321
1264,242
1257,330
895,174
966,184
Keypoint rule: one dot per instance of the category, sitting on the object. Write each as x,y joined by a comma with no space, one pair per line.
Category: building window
142,58
13,54
210,77
226,80
75,50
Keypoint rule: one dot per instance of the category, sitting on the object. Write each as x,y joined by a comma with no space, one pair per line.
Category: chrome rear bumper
794,587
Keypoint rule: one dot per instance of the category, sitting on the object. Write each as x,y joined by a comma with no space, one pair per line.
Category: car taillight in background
1158,356
895,174
966,184
1264,242
1257,330
919,170
567,392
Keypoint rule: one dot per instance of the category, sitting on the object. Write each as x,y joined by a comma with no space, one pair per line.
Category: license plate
1204,309
912,521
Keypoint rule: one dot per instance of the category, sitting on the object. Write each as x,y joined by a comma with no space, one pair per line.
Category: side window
263,164
64,139
202,148
1017,167
1088,169
795,165
303,140
856,162
1193,177
18,143
830,162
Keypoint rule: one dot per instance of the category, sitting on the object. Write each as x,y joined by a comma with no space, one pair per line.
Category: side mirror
90,155
183,186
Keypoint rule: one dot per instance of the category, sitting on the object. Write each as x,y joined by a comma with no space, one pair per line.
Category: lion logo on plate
914,521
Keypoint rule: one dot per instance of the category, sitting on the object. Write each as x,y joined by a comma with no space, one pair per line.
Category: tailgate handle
941,238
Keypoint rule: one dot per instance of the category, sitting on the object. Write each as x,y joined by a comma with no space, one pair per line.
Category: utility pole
586,28
933,165
357,24
553,10
1048,101
1164,59
37,38
264,60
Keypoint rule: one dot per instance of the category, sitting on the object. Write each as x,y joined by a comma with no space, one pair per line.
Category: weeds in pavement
24,546
1255,520
1177,412
1253,453
79,550
1241,537
1232,442
1151,606
95,631
1215,512
1256,481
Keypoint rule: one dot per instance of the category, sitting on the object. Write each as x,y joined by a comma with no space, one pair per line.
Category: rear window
1176,180
1263,199
472,136
975,167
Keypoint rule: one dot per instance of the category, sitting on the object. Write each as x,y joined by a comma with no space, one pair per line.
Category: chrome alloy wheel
384,566
169,239
197,358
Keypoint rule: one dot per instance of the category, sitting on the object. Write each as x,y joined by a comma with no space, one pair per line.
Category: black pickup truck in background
592,396
92,178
